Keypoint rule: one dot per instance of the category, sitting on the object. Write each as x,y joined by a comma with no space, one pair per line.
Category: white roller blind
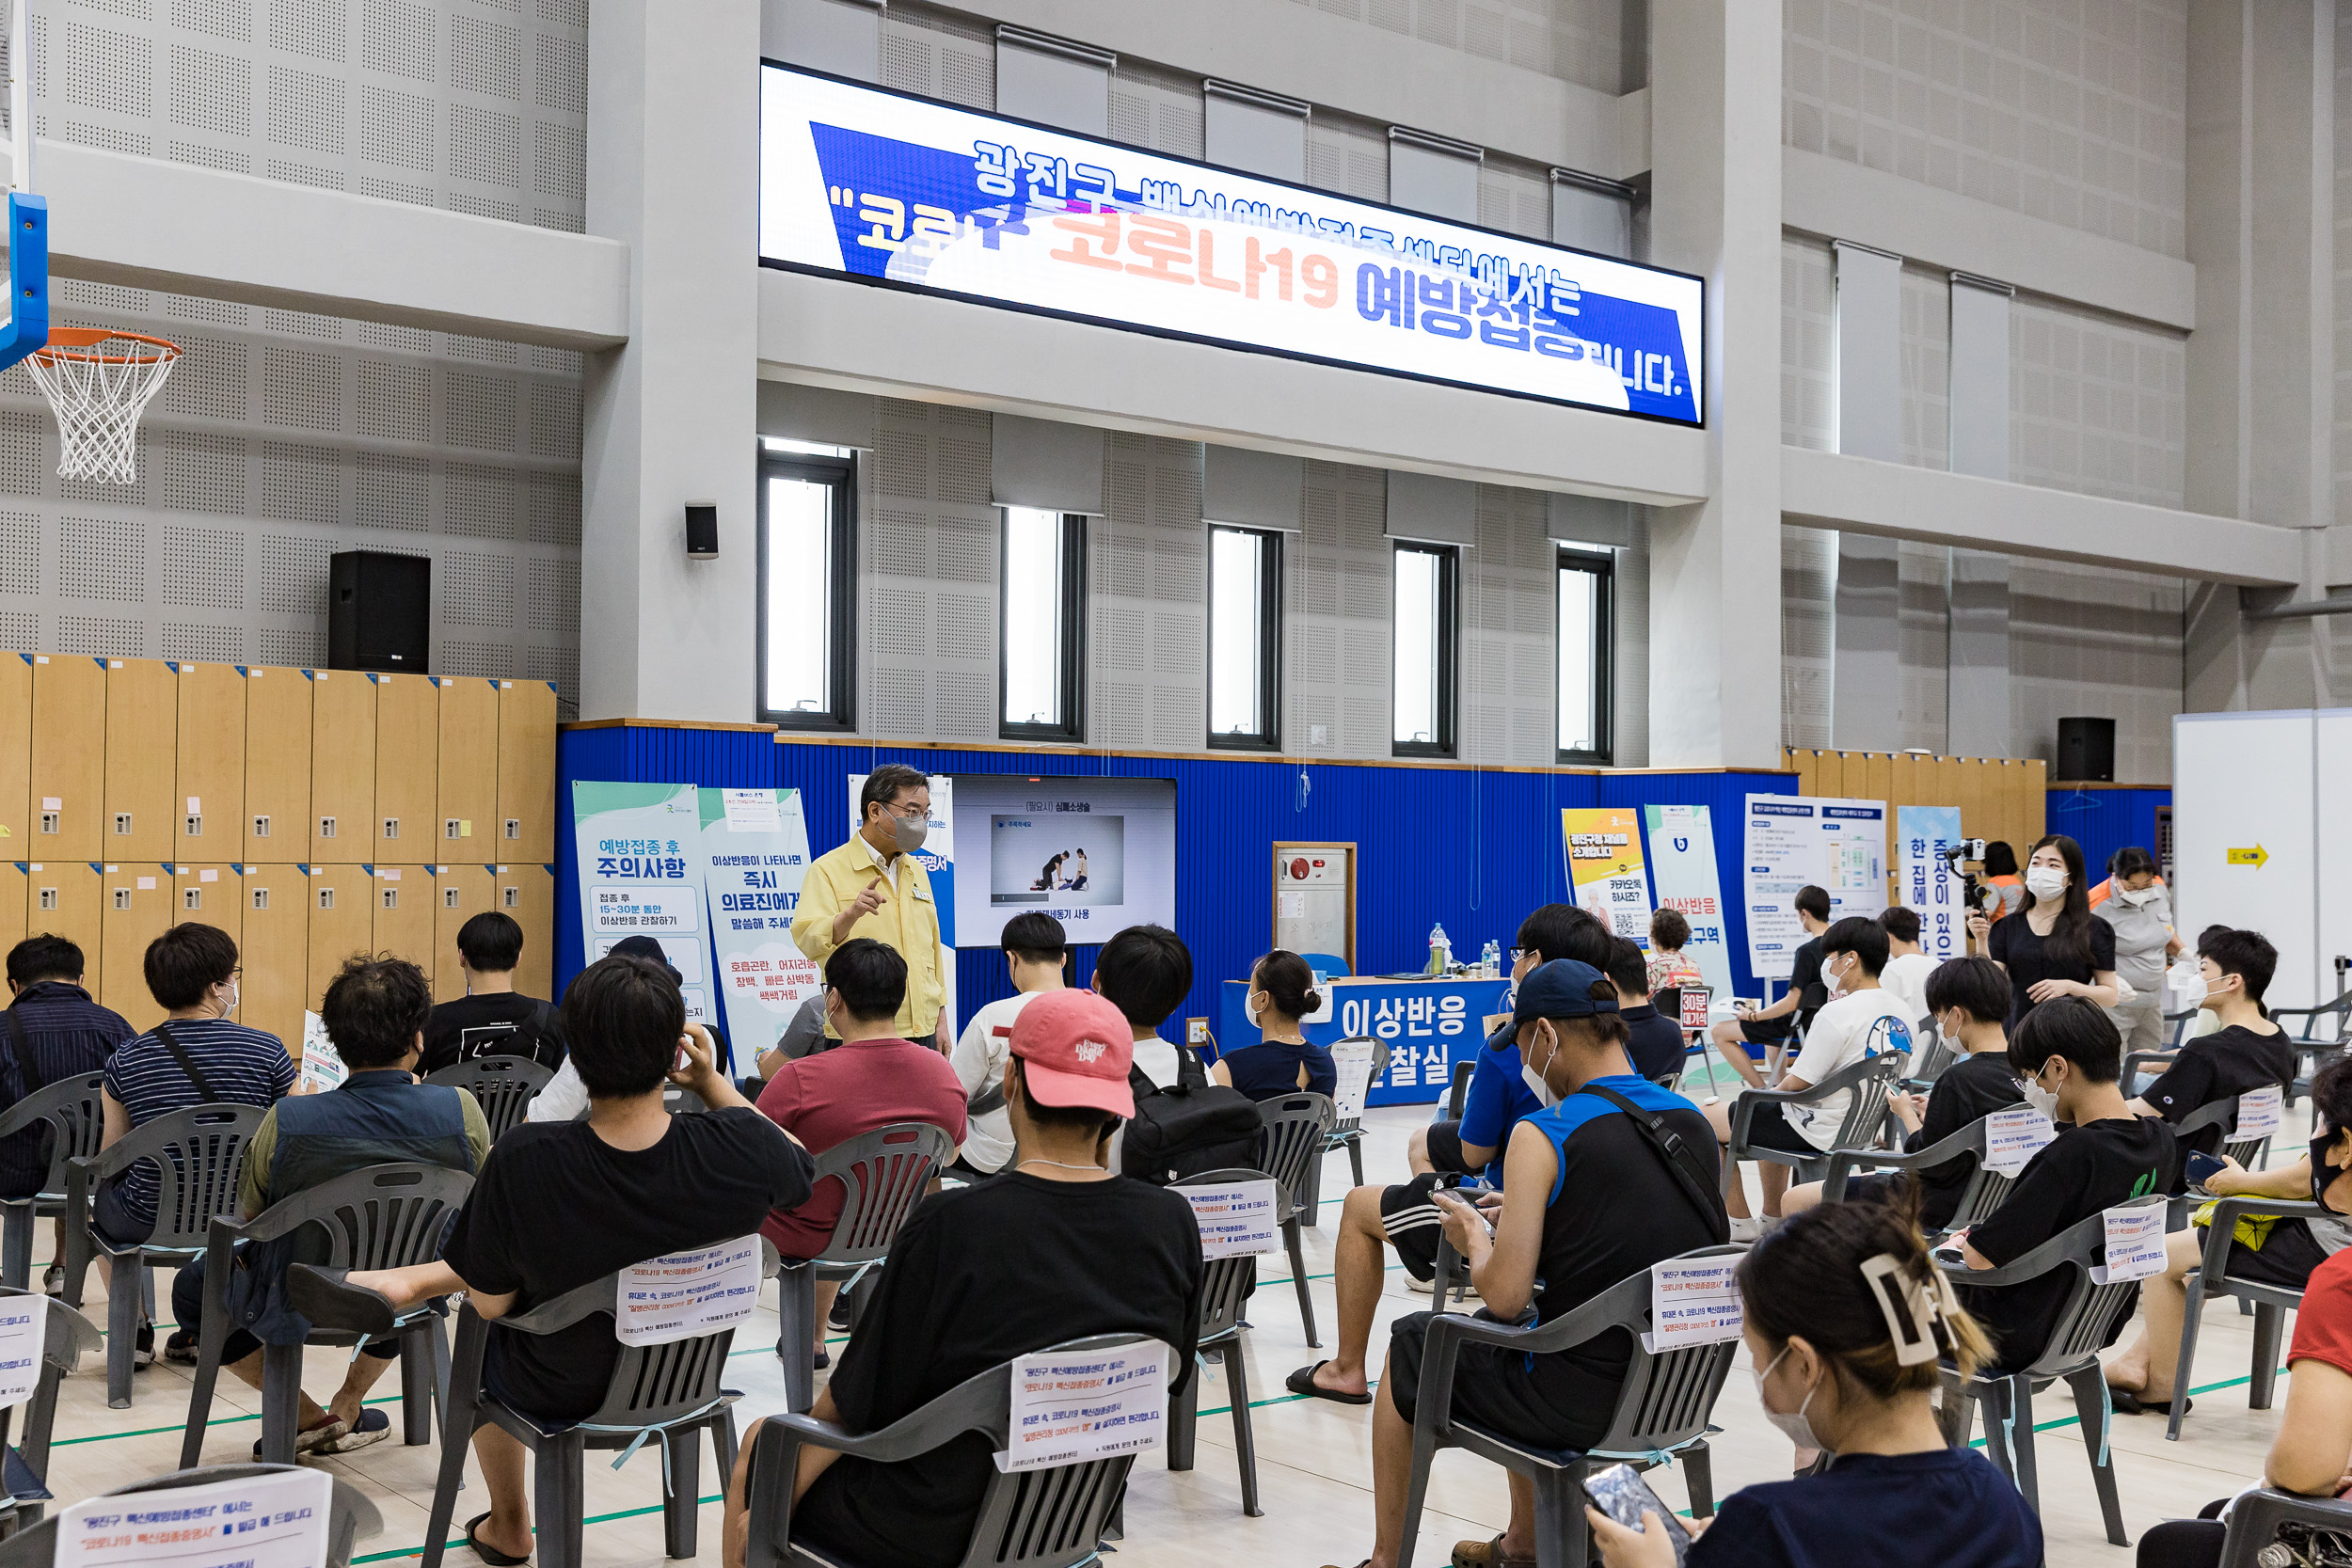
1869,328
1053,468
1866,678
1430,174
840,36
1979,370
1054,81
1432,511
1251,489
1589,520
1592,213
1255,132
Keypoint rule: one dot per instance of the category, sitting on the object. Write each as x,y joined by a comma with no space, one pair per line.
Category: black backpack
1197,1126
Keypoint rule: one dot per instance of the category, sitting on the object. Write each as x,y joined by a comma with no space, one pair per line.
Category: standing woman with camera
2054,946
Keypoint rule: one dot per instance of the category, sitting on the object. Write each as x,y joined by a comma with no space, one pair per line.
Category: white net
98,382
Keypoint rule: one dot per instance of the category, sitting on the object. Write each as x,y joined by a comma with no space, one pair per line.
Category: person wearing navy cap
1615,1175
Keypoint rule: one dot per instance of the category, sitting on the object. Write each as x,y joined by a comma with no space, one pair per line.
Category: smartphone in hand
2200,1169
1622,1494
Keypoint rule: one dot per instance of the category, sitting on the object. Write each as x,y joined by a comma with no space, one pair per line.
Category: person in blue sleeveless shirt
1284,1060
1591,1196
375,1011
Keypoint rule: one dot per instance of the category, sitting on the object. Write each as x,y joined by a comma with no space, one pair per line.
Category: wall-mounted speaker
2086,750
702,529
379,612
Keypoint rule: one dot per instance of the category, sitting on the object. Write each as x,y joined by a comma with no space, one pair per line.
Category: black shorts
1409,1215
2286,1259
1768,1031
1493,1388
1771,1129
1445,1147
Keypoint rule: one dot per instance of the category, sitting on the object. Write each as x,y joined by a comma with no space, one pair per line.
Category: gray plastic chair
1346,1133
883,1175
387,1216
1933,1054
2271,1303
1983,1193
1047,1518
353,1519
2086,1324
1290,1139
75,1108
666,1394
1225,1285
503,1086
199,1156
677,1101
68,1337
1661,1410
2254,1153
2325,1034
2257,1518
1872,1079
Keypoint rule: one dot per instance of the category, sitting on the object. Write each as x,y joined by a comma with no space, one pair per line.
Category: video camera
1979,896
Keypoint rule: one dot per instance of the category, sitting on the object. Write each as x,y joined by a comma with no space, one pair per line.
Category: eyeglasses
1521,955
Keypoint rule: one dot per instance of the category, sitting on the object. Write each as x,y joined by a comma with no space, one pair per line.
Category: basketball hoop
97,381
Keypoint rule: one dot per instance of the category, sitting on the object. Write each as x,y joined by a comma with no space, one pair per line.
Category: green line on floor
215,1422
459,1544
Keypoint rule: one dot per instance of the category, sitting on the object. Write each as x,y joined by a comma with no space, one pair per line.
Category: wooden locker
1968,795
1878,776
207,819
15,891
274,944
69,770
134,903
277,784
62,900
407,747
342,767
526,808
211,895
459,893
464,820
16,752
402,904
2037,805
342,924
527,891
142,726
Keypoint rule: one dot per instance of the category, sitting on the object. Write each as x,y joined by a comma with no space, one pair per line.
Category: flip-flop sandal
1487,1554
1303,1382
2125,1403
487,1552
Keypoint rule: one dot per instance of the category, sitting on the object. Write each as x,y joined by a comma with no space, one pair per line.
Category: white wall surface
2239,781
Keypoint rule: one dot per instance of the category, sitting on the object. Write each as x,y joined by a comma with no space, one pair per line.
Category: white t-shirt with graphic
1842,1033
978,1059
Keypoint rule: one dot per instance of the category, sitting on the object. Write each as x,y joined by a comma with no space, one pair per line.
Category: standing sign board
1792,841
755,850
641,874
1603,846
1682,863
1928,884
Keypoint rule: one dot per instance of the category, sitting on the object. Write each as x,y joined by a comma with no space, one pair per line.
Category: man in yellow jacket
873,886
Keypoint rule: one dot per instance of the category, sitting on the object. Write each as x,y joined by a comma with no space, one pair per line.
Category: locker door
275,942
207,819
15,891
407,747
342,767
211,895
16,751
142,728
64,902
463,822
526,770
459,893
69,788
342,923
403,903
276,784
135,908
527,892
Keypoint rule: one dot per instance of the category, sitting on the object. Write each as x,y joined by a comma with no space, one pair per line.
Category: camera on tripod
1979,896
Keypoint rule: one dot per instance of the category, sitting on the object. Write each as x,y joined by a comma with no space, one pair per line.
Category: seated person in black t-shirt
1741,1039
560,1205
2067,1055
1653,1042
2248,1052
1053,1248
1968,998
492,1019
1587,1202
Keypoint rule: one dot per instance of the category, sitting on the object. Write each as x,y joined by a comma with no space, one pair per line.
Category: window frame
1268,736
1602,566
841,473
1071,728
1449,619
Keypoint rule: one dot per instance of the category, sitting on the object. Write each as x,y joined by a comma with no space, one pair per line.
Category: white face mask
2187,976
231,1005
1836,981
1249,1006
2136,897
1792,1424
1534,1080
2044,1101
2044,881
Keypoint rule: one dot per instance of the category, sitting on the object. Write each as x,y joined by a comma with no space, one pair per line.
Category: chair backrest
75,1107
1459,1091
1667,1395
1330,965
2221,1113
2091,1313
1290,1133
677,1101
351,1518
1379,1068
201,1153
1934,1052
386,1216
503,1085
1226,1282
886,1173
1872,1079
66,1336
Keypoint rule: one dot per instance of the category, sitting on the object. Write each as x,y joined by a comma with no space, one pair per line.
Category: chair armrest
1842,1160
580,1301
2225,1217
2060,1248
2137,1059
2255,1518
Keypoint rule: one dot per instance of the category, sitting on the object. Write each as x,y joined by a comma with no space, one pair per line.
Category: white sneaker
1422,1287
1745,1230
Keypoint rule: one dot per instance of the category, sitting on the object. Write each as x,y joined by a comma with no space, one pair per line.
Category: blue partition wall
1471,848
2104,821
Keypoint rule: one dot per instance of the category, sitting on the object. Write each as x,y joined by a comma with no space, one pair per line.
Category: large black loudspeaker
379,612
2086,749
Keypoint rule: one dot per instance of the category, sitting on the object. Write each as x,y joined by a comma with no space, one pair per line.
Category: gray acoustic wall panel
928,549
1147,644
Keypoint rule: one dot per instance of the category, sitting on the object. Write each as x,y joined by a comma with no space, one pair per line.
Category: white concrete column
1715,211
671,416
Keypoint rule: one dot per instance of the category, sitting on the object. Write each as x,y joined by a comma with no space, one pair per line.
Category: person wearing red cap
1055,1248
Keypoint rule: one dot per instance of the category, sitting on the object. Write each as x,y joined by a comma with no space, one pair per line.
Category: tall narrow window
1585,636
1042,594
1425,651
807,501
1244,626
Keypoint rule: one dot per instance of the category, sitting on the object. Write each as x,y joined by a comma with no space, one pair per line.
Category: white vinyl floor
1314,1457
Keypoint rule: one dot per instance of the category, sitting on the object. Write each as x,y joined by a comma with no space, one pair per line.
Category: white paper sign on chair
1235,1220
322,1066
276,1520
23,1330
2260,1114
1693,1302
2014,1135
689,1294
1069,1405
1353,1058
2134,1242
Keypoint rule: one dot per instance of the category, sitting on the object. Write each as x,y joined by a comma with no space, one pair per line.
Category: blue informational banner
1682,863
1429,1026
1928,884
859,181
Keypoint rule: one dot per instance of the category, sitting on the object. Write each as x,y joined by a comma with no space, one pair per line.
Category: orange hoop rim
75,342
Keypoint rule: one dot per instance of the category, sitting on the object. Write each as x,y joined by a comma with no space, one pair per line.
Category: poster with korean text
1928,885
1682,866
641,874
1795,841
754,844
1603,846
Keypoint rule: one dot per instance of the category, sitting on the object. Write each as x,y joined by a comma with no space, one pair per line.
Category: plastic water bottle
1440,951
1490,961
